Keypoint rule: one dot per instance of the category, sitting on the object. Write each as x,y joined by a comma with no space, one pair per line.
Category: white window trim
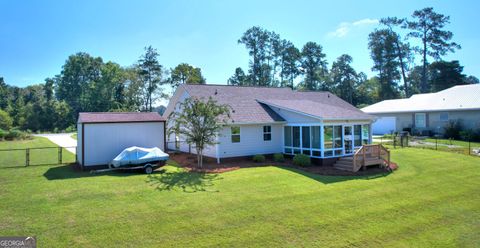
239,134
263,129
424,120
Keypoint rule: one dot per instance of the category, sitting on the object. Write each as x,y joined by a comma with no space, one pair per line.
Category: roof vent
328,95
216,92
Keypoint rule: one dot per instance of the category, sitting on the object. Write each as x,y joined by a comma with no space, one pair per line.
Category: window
267,132
306,137
444,116
365,134
235,134
357,135
420,120
333,141
288,136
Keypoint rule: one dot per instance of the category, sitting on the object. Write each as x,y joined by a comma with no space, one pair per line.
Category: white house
102,136
428,113
279,120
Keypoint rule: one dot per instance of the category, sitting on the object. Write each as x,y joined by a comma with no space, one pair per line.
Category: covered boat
138,155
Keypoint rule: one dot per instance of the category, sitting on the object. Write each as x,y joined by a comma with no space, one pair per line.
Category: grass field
74,135
433,200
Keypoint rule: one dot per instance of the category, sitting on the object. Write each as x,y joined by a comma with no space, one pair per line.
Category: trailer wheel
148,169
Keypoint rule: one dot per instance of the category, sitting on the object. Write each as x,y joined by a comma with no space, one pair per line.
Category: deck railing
368,153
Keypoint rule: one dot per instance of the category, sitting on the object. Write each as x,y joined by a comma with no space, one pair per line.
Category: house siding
105,141
251,141
470,119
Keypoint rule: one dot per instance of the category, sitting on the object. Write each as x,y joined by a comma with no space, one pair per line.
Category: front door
348,140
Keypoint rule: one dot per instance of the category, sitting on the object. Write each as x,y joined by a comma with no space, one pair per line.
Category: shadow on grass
189,182
70,171
327,179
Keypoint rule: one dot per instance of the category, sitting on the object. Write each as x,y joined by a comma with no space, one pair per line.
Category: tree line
276,62
88,84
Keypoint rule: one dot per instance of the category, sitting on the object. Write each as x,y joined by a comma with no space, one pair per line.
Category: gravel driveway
61,139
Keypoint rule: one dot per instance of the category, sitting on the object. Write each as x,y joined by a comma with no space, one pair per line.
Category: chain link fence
22,157
435,143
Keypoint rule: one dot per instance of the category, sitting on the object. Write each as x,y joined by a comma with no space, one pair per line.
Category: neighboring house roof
252,104
117,117
461,97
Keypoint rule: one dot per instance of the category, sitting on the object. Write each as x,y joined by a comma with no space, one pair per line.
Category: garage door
384,125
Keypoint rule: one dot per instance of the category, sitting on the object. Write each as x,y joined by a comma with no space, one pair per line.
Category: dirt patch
189,162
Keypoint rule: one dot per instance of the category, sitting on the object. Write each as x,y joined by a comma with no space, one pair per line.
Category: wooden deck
367,155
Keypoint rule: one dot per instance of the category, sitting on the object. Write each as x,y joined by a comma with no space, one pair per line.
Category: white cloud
345,27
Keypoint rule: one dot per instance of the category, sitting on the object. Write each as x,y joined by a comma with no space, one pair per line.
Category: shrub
301,160
259,158
71,129
15,134
278,157
467,135
452,129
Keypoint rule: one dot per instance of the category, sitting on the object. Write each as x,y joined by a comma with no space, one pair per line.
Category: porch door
348,140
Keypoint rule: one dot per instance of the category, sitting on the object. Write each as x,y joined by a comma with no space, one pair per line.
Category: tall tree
75,82
314,66
402,48
239,78
256,40
383,53
186,74
199,123
428,26
151,74
471,80
444,74
345,77
289,59
3,94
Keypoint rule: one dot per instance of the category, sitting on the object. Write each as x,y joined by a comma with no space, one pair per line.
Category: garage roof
119,117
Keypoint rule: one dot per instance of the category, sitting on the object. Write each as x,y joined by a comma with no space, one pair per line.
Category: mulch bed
189,162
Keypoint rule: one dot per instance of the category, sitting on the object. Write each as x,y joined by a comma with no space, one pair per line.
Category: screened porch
324,140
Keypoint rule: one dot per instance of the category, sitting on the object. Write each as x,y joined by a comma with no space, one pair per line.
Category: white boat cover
138,155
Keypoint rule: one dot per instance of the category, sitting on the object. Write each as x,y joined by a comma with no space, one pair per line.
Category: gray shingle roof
116,117
250,104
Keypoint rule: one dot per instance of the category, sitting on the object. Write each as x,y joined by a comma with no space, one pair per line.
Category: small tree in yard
199,121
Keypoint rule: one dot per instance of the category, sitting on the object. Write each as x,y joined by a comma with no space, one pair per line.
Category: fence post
469,147
27,157
394,142
59,155
436,143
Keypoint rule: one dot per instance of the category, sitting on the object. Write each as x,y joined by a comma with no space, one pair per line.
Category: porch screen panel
328,137
316,137
306,137
296,136
338,136
365,134
357,133
288,136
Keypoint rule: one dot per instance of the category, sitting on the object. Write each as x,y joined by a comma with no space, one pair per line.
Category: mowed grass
433,200
13,154
74,136
460,143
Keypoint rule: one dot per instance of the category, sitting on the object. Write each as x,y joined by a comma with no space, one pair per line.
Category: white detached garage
102,136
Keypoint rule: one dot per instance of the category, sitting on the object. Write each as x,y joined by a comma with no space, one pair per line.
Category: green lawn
433,200
74,135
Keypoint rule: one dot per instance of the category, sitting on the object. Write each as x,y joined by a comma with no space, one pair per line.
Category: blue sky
36,37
